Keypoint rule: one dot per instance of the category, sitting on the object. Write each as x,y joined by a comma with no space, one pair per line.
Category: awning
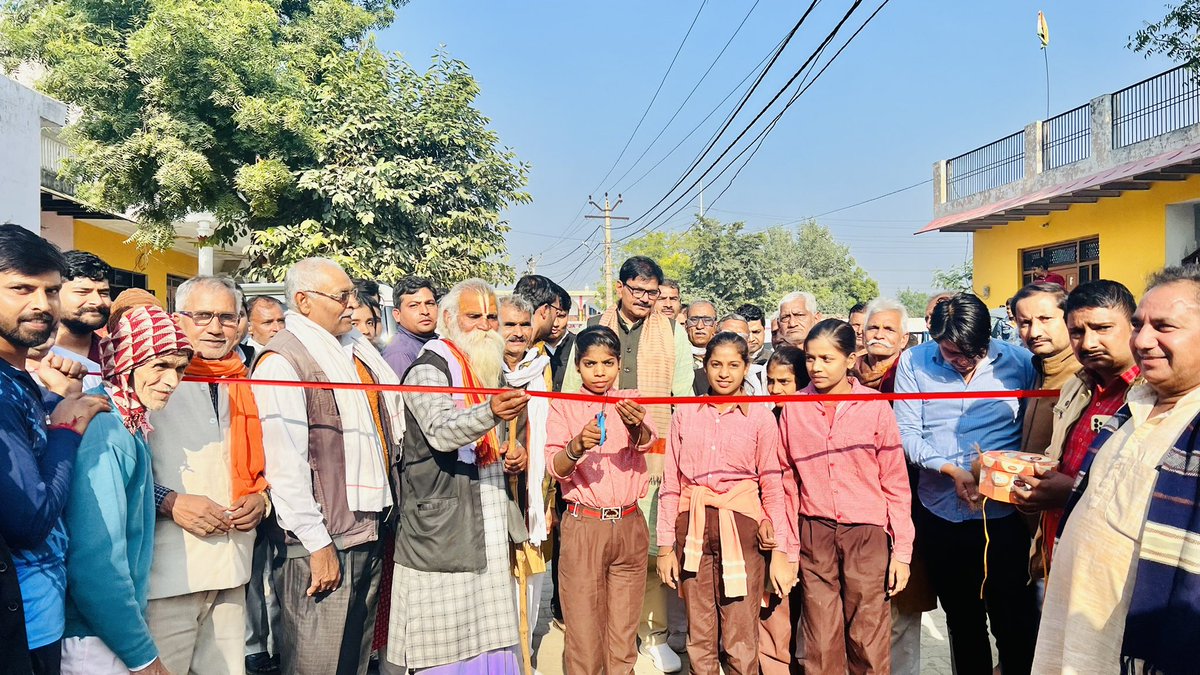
1175,165
68,205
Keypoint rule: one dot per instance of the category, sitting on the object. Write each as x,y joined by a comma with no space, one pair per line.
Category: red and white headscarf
139,330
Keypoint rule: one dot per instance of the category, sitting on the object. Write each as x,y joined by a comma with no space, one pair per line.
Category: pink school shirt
718,450
613,474
851,469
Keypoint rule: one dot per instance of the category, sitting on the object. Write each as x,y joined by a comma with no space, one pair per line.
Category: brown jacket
1054,372
326,454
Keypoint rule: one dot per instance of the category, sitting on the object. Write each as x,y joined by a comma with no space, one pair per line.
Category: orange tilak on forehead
477,303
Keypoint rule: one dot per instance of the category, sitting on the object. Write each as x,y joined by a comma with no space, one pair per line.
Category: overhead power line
654,97
828,38
687,98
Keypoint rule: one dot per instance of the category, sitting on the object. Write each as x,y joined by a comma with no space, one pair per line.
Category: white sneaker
663,658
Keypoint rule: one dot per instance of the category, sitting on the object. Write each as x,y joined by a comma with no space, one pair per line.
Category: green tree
809,258
283,120
1177,35
673,251
914,301
957,278
729,267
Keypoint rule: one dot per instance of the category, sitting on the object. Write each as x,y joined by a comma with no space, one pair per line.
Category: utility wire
652,98
733,115
690,93
829,38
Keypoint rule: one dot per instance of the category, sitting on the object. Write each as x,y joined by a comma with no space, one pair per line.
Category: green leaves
281,118
724,264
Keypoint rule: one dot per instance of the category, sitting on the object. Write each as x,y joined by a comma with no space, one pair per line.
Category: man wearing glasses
701,326
656,360
326,460
208,513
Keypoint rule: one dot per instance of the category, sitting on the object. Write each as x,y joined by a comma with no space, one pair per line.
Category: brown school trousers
602,581
847,622
719,625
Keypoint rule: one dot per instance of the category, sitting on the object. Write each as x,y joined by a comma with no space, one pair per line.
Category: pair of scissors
600,422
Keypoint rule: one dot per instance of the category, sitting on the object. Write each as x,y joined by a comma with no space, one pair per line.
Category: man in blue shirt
37,453
943,437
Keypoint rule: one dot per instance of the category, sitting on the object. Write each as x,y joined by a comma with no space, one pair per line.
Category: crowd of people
232,484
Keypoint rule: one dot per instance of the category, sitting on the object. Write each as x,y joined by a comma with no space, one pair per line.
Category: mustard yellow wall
1132,230
113,249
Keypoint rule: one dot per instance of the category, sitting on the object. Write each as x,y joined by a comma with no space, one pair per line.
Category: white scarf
530,374
366,473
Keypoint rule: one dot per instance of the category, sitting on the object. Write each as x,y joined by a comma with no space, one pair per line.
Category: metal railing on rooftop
990,166
1155,106
1067,138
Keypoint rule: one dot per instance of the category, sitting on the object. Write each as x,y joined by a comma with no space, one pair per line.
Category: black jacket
14,646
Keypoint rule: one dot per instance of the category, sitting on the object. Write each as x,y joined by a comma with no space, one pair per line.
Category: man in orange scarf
209,489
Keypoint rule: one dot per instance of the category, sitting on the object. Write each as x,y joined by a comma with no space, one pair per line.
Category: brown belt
607,513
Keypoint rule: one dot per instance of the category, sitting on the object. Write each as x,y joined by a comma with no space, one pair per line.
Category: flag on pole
1043,32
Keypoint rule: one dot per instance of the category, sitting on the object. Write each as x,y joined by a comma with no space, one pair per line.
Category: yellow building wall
1132,231
113,249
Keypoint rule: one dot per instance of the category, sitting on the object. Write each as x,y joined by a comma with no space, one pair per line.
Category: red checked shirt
718,450
1105,403
851,464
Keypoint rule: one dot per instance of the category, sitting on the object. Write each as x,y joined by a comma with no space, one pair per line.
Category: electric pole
608,217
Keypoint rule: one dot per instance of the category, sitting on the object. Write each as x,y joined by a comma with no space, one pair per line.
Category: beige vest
191,456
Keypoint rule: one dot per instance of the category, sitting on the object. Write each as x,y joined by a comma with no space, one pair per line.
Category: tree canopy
283,120
723,263
1177,35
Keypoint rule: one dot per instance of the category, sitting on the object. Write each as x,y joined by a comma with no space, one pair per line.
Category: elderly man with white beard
453,597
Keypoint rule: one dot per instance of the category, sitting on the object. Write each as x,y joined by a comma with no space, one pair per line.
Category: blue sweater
110,522
35,481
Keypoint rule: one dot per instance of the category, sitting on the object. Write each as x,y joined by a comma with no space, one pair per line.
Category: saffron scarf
486,450
246,459
139,330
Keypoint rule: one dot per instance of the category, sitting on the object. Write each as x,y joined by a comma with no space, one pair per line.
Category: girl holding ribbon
722,493
596,450
855,528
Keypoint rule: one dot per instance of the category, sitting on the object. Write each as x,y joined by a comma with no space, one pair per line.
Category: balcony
1126,140
54,151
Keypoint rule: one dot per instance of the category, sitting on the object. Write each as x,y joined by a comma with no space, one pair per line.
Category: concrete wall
23,112
1140,232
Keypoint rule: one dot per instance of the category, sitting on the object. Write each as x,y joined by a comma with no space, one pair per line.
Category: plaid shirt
1105,403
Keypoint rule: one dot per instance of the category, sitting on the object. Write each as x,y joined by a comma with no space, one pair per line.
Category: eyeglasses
705,320
342,298
794,317
643,292
205,318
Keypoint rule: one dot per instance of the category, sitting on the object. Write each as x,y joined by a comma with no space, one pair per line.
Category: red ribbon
645,400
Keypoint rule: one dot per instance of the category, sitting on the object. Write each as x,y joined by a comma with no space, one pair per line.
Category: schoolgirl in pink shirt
596,450
855,529
722,486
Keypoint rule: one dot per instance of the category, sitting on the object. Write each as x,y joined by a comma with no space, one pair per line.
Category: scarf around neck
486,450
367,486
246,459
655,363
530,374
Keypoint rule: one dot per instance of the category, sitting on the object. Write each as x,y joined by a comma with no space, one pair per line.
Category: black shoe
262,663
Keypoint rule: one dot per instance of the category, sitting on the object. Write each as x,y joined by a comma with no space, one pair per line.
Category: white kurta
1095,563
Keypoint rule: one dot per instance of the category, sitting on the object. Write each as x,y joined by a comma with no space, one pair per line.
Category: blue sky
565,83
